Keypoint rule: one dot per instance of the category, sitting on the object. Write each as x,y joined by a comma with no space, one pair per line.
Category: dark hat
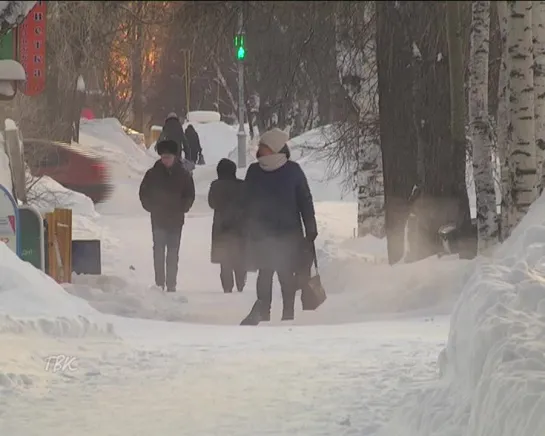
167,146
226,169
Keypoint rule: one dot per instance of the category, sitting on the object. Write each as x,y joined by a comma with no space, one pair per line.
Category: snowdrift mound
369,286
32,301
107,138
305,149
46,195
203,117
494,364
116,296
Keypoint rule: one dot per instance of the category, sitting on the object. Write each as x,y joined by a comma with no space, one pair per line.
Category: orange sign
31,49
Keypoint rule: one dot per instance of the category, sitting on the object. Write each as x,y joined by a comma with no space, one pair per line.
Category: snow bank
118,296
494,363
305,150
46,194
203,117
32,301
107,138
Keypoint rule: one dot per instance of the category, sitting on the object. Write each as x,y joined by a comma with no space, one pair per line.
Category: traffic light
240,47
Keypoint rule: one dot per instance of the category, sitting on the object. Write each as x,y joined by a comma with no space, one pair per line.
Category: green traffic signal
241,53
239,45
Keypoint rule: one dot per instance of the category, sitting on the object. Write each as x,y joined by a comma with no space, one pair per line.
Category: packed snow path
172,379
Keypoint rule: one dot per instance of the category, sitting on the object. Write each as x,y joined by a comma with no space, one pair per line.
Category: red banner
31,49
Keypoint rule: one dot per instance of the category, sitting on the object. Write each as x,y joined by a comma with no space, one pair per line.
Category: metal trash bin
86,258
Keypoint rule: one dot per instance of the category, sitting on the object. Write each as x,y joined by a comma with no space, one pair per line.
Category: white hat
172,115
275,139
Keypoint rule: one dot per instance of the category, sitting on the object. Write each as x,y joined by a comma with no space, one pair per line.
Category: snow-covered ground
363,364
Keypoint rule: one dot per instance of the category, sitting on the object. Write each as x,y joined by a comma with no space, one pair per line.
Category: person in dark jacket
167,192
194,148
226,198
173,130
279,205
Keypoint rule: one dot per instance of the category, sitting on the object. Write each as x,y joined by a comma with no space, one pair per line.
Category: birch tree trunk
467,244
370,192
522,143
479,125
502,118
538,30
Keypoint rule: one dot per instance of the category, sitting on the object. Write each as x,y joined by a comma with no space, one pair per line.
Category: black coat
226,198
279,204
194,144
167,194
174,131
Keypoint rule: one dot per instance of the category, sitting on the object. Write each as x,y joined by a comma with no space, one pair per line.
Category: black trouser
168,239
287,286
226,275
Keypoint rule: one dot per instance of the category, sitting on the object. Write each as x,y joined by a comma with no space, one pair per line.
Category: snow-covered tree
522,142
538,30
480,126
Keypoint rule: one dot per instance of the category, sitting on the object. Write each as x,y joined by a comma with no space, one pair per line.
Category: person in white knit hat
279,205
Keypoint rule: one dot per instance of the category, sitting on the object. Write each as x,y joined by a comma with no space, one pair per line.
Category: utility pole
241,54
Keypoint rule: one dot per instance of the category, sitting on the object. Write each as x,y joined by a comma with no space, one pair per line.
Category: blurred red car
72,166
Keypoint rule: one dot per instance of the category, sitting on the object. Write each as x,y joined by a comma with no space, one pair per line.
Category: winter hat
226,169
172,115
167,146
275,139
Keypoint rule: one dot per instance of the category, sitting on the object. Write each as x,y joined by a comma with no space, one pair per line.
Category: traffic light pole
241,135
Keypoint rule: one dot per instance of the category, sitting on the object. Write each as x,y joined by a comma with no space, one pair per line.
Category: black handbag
313,293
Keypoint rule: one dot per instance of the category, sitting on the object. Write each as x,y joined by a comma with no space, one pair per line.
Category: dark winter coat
174,131
194,144
279,203
226,198
167,194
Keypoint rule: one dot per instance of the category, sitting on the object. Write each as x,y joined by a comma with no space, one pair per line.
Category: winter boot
254,317
288,315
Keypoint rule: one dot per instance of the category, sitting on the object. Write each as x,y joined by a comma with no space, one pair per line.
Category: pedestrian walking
194,153
279,205
226,198
173,130
167,192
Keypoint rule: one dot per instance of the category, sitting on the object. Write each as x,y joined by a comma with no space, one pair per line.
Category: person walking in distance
194,148
279,204
173,131
226,198
167,192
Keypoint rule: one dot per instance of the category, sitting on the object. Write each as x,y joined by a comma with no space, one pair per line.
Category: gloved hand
311,236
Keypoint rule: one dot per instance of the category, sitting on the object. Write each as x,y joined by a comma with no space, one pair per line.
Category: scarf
272,162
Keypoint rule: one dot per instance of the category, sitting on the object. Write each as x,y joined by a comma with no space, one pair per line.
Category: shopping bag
313,293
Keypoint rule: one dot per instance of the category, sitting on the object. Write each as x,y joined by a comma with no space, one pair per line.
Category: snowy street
200,380
383,356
